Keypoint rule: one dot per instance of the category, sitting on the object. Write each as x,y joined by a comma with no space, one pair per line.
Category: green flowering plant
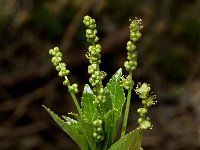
97,122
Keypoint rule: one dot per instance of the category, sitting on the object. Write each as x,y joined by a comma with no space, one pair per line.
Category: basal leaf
131,141
72,128
88,107
118,97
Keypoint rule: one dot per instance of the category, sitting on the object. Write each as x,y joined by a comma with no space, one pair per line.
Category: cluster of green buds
61,68
143,90
93,53
98,131
135,35
100,98
91,31
127,82
94,58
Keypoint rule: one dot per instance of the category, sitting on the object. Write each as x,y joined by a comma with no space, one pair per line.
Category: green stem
127,108
76,103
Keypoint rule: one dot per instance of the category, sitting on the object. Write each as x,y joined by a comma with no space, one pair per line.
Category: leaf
74,115
107,105
88,107
118,98
88,130
131,141
108,129
72,128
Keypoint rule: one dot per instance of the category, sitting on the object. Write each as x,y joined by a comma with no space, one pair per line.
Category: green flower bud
140,120
66,82
73,88
92,26
53,59
90,48
142,111
94,59
59,59
91,80
87,18
134,39
93,53
99,137
96,39
101,91
89,31
63,69
132,56
131,63
56,60
97,123
133,35
95,135
52,52
90,70
56,49
98,46
133,25
97,73
129,43
131,47
99,97
92,21
138,35
61,74
58,54
58,68
62,64
146,124
99,129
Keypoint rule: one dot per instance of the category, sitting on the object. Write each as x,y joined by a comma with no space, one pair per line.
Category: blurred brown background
169,59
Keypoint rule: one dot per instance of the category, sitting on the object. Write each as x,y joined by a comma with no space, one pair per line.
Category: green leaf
88,130
107,105
118,98
108,129
72,128
88,107
131,141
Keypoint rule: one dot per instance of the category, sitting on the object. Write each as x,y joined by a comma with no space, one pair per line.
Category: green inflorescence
147,100
98,118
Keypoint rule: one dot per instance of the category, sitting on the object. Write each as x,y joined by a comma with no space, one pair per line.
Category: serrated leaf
88,107
118,98
72,128
131,141
88,129
74,115
68,119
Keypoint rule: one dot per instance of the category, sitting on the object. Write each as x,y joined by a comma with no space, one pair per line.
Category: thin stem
127,108
76,103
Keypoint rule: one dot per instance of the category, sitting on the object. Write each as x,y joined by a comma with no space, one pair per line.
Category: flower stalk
63,72
130,65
